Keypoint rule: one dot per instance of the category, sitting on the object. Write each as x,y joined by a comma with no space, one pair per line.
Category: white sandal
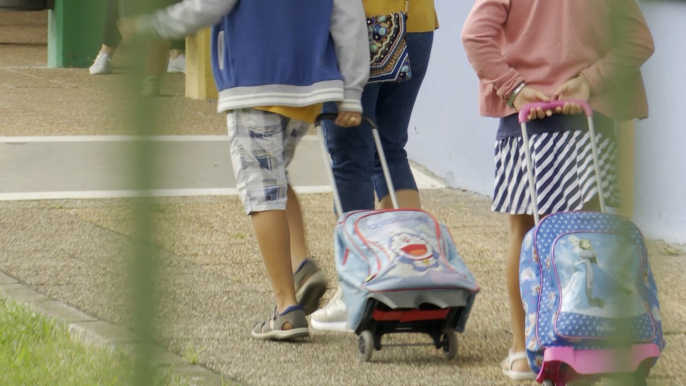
507,363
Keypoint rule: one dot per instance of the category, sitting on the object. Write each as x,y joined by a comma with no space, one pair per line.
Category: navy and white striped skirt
563,167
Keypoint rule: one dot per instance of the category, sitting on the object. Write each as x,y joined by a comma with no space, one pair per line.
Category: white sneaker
333,317
177,65
102,65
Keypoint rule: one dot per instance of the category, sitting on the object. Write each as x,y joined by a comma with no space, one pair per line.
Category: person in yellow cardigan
356,167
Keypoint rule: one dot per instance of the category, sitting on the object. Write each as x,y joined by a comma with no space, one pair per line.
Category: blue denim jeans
356,166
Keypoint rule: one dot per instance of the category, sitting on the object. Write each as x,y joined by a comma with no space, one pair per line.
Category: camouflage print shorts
262,147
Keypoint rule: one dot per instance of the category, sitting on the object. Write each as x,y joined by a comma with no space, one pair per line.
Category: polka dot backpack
587,289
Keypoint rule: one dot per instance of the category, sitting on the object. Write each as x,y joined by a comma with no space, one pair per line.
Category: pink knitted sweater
547,42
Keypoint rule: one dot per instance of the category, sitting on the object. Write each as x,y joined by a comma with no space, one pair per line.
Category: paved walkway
213,287
40,167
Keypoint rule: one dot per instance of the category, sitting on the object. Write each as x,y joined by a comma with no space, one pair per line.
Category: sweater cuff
508,83
594,79
351,101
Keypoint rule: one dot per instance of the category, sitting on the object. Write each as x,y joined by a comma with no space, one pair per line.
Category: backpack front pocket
600,281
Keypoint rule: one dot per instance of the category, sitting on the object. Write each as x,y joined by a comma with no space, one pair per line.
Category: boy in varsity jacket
275,62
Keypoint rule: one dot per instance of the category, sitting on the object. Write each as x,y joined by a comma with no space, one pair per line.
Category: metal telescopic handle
524,113
327,159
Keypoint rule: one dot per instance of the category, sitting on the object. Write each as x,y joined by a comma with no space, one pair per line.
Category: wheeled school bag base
399,272
587,290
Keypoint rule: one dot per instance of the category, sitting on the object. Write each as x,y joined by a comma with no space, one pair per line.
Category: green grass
38,351
192,354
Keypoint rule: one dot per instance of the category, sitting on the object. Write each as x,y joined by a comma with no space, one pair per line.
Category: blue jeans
356,166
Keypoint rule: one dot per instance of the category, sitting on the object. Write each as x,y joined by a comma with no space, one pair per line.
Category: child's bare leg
407,199
297,230
593,205
271,231
519,226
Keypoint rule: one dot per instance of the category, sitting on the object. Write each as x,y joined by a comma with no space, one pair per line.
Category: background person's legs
111,36
110,41
393,112
158,50
177,52
176,48
177,56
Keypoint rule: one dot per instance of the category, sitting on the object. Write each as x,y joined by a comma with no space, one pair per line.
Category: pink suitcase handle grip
524,113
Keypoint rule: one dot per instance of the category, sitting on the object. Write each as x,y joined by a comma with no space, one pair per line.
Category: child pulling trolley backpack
587,289
399,271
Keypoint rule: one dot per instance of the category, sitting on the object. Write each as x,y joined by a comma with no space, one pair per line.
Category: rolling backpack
399,271
586,284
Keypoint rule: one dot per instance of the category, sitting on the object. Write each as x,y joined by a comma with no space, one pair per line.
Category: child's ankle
281,308
296,265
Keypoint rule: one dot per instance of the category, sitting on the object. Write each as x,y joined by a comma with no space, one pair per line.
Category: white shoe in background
177,65
102,65
333,317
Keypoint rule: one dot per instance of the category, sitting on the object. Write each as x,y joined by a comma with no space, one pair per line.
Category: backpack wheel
548,382
449,343
365,345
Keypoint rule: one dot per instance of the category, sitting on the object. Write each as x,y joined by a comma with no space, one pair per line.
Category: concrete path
101,167
213,287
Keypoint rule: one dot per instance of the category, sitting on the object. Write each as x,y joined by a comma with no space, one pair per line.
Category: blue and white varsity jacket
276,52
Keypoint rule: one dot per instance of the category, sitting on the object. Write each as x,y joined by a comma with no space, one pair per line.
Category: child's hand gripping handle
524,113
523,116
332,117
379,150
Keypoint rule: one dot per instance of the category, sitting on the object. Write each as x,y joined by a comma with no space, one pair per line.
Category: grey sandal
299,328
310,286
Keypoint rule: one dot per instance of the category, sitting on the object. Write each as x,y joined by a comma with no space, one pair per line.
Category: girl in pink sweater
528,51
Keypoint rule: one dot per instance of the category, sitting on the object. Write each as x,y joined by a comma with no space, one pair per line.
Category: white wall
449,138
660,187
446,133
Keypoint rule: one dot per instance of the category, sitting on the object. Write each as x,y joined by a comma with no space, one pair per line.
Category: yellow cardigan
422,15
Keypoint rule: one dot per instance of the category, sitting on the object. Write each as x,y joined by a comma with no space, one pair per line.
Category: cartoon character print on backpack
415,252
585,265
596,282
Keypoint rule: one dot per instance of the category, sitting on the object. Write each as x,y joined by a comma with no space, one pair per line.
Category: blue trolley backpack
587,289
399,271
